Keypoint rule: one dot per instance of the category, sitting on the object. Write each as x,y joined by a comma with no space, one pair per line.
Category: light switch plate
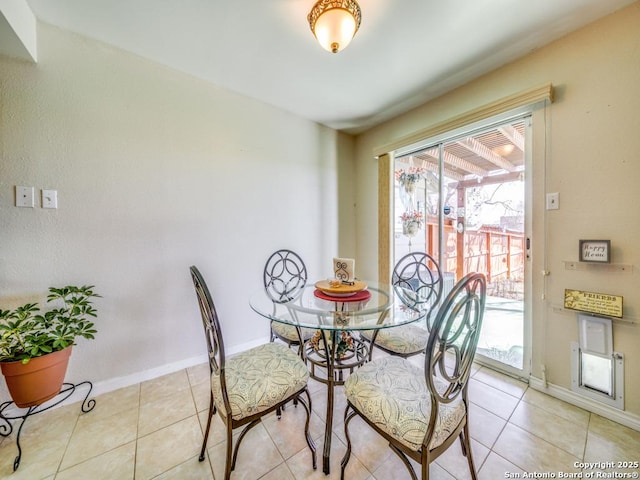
553,201
24,197
49,199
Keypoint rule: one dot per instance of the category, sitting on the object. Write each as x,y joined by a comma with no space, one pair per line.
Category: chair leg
405,460
237,447
425,471
310,442
273,335
228,467
466,449
212,411
347,455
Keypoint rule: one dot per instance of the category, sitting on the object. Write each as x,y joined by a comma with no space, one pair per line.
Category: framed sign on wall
598,251
603,304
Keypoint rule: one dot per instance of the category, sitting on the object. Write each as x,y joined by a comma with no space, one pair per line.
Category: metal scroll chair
420,412
247,386
284,277
417,280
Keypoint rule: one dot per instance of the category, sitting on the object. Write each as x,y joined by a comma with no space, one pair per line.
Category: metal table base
334,366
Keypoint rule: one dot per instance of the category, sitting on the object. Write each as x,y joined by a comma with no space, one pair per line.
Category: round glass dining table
328,324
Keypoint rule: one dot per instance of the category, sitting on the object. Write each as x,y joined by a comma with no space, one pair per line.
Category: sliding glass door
462,200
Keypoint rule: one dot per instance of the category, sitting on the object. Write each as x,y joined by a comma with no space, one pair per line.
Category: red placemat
356,297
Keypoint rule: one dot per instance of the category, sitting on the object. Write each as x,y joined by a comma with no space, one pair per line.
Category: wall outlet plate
24,197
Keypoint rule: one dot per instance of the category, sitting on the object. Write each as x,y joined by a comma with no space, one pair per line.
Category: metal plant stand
6,427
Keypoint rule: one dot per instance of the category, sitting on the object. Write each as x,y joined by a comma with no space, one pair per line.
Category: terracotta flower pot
37,381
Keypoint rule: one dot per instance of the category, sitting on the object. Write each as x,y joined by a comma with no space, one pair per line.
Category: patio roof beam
513,135
485,152
457,162
433,167
493,179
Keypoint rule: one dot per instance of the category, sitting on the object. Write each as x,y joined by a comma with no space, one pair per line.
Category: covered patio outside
483,216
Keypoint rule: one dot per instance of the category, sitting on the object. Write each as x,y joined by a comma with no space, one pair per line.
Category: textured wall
156,171
585,147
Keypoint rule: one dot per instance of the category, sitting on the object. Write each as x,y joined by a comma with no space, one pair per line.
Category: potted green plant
35,348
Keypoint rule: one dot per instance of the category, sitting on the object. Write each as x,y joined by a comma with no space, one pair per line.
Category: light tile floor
153,430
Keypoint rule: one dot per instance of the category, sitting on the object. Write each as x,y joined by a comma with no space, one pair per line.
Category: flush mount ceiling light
334,23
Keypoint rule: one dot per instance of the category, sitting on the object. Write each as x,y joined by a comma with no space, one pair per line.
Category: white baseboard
112,384
106,386
115,383
620,416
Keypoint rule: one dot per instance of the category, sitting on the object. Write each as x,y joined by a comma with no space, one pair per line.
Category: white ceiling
405,53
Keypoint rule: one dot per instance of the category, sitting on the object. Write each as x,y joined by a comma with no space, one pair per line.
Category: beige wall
587,148
156,171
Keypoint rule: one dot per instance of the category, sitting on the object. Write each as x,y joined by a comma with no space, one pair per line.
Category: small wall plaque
591,302
598,251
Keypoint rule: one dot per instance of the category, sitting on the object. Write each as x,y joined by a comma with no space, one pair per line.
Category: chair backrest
453,341
210,322
285,275
418,280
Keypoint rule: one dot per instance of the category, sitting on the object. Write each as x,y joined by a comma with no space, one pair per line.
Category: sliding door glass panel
472,221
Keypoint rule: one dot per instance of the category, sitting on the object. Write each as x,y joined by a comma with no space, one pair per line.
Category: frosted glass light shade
334,29
334,23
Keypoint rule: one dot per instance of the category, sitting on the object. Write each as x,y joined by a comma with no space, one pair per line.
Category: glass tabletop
378,306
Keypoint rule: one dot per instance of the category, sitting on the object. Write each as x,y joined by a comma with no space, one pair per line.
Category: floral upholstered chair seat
248,386
417,282
392,393
403,340
289,332
259,378
422,412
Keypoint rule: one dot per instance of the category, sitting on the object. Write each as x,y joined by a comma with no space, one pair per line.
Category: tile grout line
135,453
521,401
66,448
